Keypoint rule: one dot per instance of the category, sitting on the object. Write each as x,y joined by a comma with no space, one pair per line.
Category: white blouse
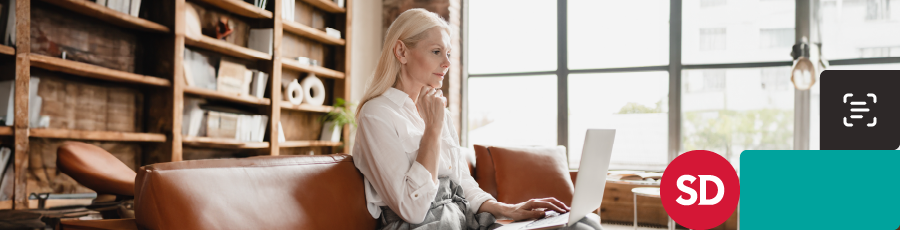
387,142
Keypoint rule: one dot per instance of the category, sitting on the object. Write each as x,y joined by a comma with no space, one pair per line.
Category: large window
550,70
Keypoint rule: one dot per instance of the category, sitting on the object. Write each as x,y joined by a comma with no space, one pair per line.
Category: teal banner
820,189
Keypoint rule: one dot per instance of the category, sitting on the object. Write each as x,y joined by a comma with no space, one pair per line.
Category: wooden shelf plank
7,50
326,5
6,131
294,144
93,71
91,9
226,48
6,204
318,70
306,107
97,135
212,94
311,33
222,143
240,7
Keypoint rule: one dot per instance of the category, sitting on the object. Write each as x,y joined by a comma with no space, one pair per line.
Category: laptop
589,187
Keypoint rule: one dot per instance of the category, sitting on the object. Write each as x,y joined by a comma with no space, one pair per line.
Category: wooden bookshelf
306,107
160,88
294,144
327,5
295,65
93,71
7,50
232,97
240,7
311,33
225,48
222,143
97,135
92,9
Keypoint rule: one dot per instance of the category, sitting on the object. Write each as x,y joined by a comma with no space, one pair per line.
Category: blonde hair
409,27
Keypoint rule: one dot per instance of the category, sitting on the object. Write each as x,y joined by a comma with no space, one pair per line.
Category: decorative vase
330,132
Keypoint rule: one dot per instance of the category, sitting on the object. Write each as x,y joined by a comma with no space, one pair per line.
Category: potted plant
334,120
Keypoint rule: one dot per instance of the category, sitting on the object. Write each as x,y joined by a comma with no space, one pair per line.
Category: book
5,155
261,40
123,6
258,86
248,81
202,68
231,77
7,97
221,125
6,179
10,38
135,7
192,116
287,7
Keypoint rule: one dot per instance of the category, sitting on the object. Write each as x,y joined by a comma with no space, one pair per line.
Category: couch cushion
523,173
272,192
484,170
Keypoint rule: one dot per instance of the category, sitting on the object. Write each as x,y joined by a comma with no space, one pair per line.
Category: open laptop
589,184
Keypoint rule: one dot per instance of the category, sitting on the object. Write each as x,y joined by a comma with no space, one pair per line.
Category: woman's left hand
534,208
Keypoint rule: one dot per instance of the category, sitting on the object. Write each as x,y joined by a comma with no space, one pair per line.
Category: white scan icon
860,110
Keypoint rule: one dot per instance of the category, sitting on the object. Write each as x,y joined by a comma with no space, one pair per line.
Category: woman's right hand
431,105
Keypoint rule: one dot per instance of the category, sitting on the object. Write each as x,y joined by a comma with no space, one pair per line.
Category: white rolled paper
313,90
294,92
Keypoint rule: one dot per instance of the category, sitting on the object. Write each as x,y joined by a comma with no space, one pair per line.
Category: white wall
365,43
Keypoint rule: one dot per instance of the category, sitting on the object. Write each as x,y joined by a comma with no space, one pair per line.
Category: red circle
694,215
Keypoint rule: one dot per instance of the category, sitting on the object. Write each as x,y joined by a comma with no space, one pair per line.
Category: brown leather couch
306,192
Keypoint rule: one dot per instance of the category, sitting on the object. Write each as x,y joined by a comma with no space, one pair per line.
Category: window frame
803,23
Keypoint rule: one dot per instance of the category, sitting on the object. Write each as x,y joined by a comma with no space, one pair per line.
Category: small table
647,192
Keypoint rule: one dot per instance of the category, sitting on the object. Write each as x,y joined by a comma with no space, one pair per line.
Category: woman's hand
534,208
431,107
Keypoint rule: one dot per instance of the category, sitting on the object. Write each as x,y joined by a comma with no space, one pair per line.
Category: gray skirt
450,211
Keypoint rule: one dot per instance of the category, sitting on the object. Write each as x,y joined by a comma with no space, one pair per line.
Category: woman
415,175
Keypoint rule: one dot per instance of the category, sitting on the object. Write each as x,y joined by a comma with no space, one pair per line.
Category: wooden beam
23,79
93,71
212,94
306,107
318,70
222,143
97,135
178,84
240,7
294,144
91,9
275,79
327,5
311,33
226,48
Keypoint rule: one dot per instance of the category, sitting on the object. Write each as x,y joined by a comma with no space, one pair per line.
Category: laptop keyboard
550,217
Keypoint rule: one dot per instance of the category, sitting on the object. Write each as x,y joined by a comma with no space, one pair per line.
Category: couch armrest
117,224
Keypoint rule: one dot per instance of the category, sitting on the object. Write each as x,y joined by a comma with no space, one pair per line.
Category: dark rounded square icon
860,110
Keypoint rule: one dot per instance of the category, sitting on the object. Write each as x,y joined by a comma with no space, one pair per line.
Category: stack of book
131,7
204,120
231,77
